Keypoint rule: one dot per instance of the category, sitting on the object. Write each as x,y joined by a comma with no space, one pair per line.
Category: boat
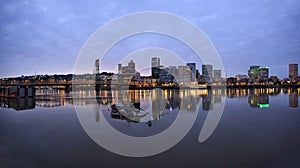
114,111
130,111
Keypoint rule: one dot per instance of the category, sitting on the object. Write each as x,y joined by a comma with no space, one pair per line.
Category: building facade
193,71
263,74
155,67
258,73
293,71
241,77
126,73
96,66
207,71
184,75
217,75
253,73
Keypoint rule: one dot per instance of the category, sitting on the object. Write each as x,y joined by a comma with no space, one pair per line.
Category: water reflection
259,97
159,103
17,103
293,98
156,101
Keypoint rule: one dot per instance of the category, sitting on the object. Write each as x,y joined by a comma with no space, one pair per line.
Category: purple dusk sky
47,36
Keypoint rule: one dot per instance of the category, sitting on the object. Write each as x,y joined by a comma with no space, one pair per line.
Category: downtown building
210,75
263,74
293,71
242,78
155,67
126,74
96,66
192,67
182,75
207,73
159,74
258,74
217,76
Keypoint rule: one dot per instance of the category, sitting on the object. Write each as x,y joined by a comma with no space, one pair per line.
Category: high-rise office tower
293,71
155,67
217,75
193,70
131,65
155,62
96,66
184,74
263,74
127,72
207,71
253,73
258,73
119,68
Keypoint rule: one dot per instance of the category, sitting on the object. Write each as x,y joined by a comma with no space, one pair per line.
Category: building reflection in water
207,101
153,101
258,98
158,102
293,98
17,103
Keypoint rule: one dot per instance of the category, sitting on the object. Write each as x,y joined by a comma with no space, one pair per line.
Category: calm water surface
258,128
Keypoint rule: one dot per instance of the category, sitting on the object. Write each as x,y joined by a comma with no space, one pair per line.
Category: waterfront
258,128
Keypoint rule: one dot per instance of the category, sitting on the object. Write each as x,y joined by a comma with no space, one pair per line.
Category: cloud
43,32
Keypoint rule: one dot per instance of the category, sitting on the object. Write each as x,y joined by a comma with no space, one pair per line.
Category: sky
46,36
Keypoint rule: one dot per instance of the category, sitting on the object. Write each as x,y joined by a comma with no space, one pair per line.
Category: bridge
19,91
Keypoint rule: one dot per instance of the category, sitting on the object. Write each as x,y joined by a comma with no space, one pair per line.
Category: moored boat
130,111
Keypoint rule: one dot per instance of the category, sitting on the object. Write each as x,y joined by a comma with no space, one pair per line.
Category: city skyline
46,37
255,72
292,70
